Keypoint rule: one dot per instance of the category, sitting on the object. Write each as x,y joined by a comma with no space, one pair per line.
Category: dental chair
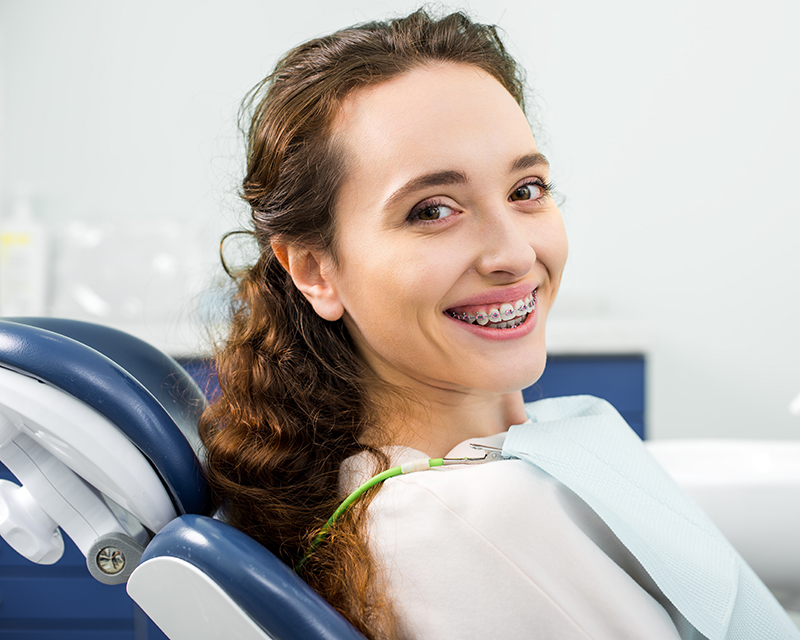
99,428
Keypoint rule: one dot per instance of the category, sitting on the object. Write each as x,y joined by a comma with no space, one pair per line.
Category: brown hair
293,403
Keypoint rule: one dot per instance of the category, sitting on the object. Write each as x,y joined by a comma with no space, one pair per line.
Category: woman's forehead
423,94
432,118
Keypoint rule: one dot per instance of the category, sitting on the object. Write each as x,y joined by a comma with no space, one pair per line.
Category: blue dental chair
99,428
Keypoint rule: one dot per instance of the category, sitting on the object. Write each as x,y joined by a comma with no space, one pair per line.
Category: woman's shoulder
481,540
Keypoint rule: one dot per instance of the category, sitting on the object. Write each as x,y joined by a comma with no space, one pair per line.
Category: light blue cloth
585,444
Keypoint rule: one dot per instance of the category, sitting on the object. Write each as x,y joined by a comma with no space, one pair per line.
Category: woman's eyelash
413,216
546,187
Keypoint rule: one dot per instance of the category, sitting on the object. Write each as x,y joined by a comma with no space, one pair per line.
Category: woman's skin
444,210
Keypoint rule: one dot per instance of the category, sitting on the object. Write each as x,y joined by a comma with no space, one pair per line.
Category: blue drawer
60,633
39,596
62,601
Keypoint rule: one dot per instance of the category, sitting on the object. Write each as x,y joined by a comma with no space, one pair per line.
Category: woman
410,251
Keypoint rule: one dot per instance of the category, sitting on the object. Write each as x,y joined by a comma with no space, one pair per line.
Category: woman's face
443,222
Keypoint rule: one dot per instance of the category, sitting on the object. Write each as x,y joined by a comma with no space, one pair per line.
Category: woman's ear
311,271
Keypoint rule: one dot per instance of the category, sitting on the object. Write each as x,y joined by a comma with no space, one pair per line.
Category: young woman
410,251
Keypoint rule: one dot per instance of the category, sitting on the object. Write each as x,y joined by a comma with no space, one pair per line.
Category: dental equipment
422,464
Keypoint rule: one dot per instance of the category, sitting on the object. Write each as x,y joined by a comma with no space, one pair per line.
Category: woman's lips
496,296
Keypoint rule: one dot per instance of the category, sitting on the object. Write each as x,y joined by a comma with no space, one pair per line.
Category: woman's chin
512,379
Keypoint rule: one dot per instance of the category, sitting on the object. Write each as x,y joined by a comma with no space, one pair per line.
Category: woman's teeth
505,316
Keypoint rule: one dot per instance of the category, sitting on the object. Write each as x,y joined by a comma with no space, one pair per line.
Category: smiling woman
410,252
444,213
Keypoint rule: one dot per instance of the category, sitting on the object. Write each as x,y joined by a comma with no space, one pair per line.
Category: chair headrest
141,390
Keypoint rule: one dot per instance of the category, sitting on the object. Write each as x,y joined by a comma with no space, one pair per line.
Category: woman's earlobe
311,271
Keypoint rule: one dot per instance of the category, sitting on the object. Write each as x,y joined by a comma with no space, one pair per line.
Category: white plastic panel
26,527
187,605
52,494
89,444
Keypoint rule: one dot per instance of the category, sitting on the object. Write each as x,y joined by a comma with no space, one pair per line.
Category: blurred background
671,127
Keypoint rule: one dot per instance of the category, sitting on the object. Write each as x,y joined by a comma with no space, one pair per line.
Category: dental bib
586,445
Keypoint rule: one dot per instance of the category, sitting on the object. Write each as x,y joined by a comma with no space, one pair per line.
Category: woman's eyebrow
528,161
441,178
436,179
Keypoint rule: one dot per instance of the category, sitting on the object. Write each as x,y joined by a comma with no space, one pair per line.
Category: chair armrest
265,589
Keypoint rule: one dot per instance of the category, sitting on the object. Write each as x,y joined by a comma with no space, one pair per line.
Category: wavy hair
294,403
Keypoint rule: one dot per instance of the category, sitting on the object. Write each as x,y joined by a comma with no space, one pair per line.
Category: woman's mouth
507,315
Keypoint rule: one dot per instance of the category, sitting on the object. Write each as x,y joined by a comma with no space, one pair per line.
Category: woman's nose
504,248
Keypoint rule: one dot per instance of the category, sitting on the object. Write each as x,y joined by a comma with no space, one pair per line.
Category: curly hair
294,402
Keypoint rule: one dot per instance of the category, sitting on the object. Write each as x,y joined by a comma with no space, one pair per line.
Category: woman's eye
433,212
528,192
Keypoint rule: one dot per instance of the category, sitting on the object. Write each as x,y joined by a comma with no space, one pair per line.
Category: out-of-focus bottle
23,262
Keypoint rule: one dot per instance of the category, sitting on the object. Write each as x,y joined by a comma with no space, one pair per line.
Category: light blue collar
584,443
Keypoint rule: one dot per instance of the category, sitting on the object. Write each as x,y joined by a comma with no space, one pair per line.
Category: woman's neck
450,418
